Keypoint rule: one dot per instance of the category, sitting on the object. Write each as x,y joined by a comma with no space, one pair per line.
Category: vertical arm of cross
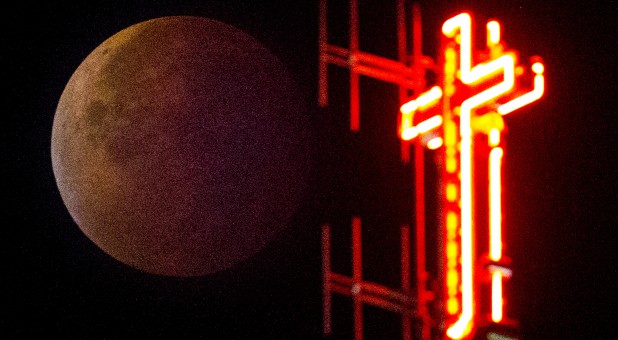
471,75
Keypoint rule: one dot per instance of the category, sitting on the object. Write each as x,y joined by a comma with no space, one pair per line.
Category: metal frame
408,72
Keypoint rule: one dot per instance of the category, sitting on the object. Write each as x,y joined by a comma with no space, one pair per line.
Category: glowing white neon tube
463,24
408,130
429,97
495,204
496,297
535,94
422,127
435,143
495,230
493,33
422,101
494,137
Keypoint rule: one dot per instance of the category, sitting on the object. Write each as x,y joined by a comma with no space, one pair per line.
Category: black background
560,198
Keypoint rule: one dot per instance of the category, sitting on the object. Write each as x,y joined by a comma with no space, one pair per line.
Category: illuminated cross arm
431,112
411,127
427,100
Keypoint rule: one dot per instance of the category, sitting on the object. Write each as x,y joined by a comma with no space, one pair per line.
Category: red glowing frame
459,126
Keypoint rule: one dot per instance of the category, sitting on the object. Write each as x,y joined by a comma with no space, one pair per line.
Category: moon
180,146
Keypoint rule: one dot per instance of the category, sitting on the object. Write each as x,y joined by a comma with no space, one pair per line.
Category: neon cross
480,113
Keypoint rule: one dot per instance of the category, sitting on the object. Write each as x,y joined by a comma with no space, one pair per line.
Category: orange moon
180,146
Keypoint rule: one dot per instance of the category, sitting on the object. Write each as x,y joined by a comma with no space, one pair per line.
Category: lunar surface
179,146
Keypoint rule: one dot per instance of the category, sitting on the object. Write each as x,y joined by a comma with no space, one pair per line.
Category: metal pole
354,77
326,285
322,64
357,277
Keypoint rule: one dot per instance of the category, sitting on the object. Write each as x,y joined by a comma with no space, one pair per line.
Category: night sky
560,189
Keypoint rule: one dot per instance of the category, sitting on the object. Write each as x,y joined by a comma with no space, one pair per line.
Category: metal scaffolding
408,73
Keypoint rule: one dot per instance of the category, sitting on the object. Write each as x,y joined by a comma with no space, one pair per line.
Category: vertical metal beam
421,273
326,290
322,63
355,63
357,277
402,53
354,76
406,326
417,41
419,179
